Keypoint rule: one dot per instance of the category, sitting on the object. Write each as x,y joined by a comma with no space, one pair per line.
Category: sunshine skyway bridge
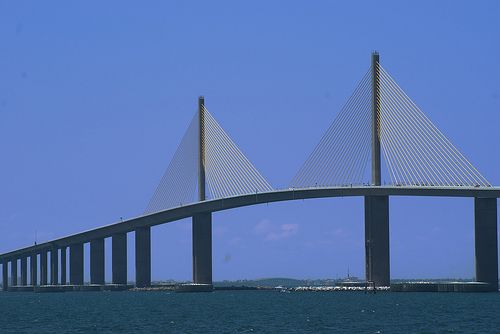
208,173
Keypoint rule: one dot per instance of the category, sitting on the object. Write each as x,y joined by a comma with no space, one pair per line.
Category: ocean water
249,311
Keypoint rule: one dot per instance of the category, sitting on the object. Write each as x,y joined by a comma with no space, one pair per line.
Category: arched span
220,204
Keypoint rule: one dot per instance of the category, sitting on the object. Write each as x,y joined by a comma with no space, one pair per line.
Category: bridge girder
221,204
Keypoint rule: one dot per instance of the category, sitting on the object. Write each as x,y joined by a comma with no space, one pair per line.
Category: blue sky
96,96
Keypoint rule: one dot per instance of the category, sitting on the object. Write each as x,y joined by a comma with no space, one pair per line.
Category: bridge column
119,258
202,248
43,268
76,264
97,261
201,149
13,272
63,266
486,244
54,266
143,257
5,275
202,222
24,270
34,269
377,240
376,170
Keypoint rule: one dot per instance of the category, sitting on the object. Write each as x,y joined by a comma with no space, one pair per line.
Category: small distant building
350,281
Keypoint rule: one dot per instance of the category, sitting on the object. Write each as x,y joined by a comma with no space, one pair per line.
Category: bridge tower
202,222
201,149
377,268
375,121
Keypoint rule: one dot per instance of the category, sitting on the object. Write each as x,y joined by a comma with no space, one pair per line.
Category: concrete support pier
34,269
43,268
76,264
486,241
24,270
13,272
5,275
97,261
143,257
119,258
377,240
63,266
54,266
202,248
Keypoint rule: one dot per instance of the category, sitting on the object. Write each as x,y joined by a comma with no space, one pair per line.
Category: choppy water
249,311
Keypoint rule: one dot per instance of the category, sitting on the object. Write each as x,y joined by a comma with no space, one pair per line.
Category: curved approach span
220,204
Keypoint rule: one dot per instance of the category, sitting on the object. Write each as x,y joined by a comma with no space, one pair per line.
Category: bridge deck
220,204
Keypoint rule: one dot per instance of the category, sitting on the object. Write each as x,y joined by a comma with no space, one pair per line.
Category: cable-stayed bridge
208,173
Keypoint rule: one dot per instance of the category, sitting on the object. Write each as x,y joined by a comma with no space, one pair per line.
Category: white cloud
263,227
236,241
337,232
274,232
284,232
220,230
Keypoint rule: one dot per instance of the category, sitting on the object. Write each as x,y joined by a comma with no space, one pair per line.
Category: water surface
249,311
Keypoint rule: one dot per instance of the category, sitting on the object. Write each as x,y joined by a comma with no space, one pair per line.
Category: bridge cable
227,167
414,146
178,184
317,156
340,157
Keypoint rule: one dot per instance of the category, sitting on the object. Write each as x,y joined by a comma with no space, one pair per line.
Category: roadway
220,204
